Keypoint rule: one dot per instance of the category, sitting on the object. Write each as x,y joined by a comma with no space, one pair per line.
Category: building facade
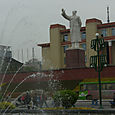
5,51
7,63
54,53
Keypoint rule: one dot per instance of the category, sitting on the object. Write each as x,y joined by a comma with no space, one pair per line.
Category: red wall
63,74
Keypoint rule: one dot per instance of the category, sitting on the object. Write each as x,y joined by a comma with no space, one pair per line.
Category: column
110,51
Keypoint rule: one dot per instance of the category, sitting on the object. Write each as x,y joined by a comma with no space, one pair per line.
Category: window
104,32
83,35
84,46
65,38
113,31
109,86
104,87
65,48
92,87
113,86
83,87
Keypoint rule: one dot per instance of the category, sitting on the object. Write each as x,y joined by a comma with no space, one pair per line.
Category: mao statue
75,25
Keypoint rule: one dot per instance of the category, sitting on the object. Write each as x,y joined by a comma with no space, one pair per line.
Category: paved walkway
88,103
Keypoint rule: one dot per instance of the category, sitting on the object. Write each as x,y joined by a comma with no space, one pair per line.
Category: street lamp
98,61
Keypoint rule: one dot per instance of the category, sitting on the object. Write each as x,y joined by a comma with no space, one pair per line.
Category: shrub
5,105
66,98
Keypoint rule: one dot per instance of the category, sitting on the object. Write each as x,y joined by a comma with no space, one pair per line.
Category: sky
26,23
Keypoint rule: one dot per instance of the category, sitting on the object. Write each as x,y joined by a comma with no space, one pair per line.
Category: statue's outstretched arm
65,15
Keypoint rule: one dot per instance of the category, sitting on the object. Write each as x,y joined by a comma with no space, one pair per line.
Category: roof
106,25
44,45
93,20
57,26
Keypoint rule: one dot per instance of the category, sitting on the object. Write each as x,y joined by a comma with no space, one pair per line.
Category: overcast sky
25,23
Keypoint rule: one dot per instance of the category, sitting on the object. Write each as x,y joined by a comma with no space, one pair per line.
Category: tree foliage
66,98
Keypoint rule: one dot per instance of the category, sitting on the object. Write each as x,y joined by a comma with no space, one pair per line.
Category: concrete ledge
105,100
99,111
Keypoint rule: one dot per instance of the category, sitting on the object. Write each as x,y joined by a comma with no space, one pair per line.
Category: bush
66,98
5,105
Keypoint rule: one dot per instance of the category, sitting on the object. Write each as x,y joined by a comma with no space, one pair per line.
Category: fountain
52,83
10,81
30,76
38,74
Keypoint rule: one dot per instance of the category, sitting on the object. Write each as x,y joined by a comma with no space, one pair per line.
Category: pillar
110,51
75,58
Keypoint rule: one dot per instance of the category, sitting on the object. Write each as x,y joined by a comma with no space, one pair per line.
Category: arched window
83,35
65,38
104,32
84,46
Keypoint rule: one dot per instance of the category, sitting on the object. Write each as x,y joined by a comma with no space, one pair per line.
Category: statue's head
74,12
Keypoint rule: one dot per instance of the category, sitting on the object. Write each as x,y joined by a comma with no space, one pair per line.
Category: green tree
66,98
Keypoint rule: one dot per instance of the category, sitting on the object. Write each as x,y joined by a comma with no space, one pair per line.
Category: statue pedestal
75,58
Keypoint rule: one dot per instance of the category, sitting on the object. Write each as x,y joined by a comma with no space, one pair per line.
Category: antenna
108,14
18,54
33,54
27,55
22,56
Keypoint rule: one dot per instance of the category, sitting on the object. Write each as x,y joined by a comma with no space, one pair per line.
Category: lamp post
98,61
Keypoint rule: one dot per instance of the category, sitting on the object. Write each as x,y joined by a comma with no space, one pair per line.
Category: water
6,71
10,82
30,76
3,58
52,84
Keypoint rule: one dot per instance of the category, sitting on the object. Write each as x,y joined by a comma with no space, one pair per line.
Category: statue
75,25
